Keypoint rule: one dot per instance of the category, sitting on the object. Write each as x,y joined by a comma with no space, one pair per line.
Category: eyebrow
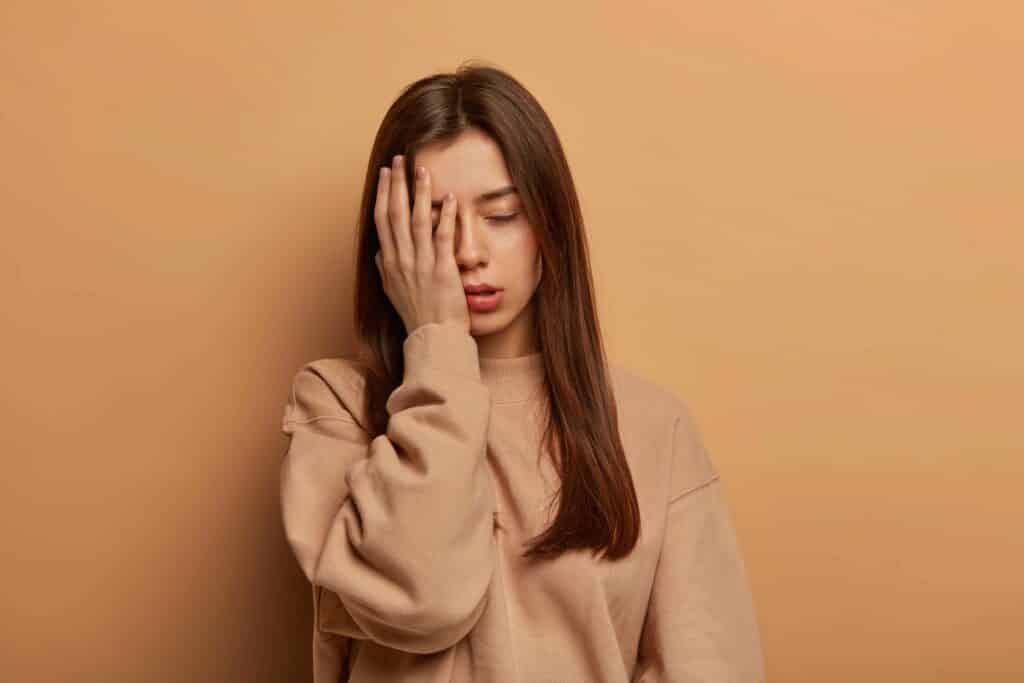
485,197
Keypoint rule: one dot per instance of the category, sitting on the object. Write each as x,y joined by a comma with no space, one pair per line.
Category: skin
486,249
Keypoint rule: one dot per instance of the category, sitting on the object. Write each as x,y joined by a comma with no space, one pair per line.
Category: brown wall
806,218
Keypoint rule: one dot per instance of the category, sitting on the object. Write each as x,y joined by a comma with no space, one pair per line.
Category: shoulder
661,419
327,388
639,399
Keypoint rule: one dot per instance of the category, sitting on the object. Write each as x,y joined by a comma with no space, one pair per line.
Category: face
494,243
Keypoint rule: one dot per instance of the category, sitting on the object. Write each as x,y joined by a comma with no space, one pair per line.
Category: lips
484,303
482,288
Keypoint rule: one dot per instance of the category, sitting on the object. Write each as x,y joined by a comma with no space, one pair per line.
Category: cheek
524,261
534,269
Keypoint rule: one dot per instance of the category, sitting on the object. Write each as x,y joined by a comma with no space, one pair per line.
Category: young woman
421,474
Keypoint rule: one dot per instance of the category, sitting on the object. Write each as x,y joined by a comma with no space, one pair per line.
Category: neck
513,379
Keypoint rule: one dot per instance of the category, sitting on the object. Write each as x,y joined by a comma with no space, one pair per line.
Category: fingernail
419,171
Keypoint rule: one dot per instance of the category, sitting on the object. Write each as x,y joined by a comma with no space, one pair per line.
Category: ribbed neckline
513,380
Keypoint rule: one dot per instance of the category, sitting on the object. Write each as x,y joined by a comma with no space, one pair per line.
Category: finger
444,238
398,215
421,225
380,214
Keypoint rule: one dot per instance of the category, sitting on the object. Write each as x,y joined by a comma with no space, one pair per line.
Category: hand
420,275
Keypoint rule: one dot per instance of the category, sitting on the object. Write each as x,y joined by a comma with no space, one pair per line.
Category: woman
420,476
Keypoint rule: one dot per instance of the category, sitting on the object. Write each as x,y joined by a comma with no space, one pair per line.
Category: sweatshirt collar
513,380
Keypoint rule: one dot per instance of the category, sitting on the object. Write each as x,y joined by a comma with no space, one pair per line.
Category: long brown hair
598,507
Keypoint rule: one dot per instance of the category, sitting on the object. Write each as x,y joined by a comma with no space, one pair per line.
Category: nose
470,242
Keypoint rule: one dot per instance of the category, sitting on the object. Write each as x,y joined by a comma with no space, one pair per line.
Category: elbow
434,625
445,626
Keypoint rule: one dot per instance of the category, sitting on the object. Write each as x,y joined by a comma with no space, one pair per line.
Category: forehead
470,164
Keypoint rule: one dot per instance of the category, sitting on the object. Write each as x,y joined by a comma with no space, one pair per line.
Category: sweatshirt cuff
446,346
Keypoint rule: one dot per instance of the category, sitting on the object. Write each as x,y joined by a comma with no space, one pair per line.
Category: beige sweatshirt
412,541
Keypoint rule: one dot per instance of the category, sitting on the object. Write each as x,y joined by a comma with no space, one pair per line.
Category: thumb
380,268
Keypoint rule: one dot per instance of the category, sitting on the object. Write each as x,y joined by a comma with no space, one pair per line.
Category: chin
484,323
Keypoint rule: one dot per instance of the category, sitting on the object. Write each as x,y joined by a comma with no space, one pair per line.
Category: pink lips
483,303
482,287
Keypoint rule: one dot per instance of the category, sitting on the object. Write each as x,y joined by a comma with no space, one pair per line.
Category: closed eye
503,219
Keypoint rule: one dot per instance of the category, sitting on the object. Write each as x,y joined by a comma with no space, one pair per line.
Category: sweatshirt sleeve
397,530
701,623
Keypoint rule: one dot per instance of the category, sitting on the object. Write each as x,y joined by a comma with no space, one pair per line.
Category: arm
397,530
701,623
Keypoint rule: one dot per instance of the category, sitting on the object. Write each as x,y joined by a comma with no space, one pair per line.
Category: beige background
805,218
